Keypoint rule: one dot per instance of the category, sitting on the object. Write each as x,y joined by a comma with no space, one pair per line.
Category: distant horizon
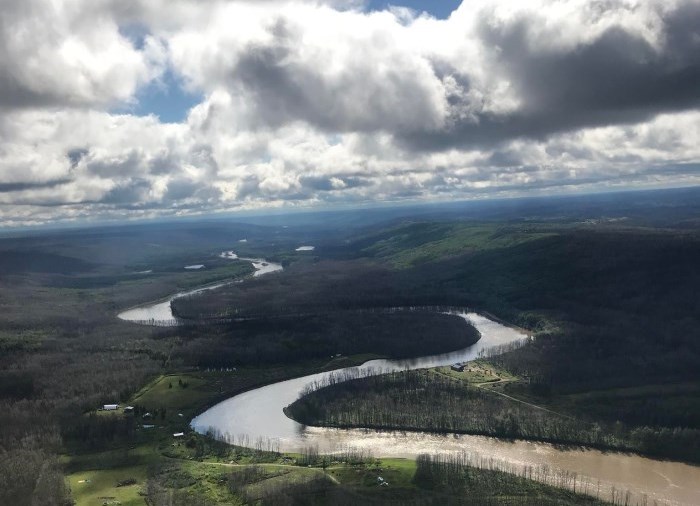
301,211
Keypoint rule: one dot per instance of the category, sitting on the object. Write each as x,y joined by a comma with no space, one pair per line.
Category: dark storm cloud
617,78
247,187
320,183
76,155
373,88
184,189
617,75
128,164
164,164
131,192
18,187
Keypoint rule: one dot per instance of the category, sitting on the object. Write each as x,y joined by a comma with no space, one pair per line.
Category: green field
214,482
196,468
96,487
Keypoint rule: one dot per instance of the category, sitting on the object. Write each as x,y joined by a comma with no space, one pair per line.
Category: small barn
110,407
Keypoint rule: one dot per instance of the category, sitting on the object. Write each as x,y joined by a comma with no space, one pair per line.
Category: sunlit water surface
256,416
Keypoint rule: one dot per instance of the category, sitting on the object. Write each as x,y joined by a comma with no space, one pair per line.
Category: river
160,312
256,416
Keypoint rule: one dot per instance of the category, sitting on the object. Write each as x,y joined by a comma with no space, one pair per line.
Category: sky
114,109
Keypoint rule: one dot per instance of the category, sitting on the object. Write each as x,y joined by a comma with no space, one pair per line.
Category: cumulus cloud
69,53
308,102
493,71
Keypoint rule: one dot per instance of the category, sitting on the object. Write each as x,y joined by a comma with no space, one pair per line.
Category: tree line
441,404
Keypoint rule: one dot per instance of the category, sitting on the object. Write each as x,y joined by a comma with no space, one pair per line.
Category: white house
110,407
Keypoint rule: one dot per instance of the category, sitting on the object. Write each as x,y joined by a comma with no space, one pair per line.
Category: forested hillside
612,303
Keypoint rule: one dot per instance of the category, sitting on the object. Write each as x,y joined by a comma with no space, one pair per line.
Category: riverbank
160,312
253,477
258,413
162,408
122,470
446,401
197,466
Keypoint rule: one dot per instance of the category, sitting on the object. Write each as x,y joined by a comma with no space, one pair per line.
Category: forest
609,290
287,339
611,308
439,403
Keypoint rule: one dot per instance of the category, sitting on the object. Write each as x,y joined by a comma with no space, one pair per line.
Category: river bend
256,417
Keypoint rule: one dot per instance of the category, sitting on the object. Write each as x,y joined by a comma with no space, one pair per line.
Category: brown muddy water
255,419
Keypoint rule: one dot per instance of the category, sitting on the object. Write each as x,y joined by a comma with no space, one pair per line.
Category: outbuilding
110,407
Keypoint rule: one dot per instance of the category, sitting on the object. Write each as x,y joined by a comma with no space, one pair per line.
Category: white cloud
69,53
309,102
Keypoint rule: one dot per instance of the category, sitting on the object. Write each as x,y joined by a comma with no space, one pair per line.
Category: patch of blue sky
167,99
440,9
170,101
